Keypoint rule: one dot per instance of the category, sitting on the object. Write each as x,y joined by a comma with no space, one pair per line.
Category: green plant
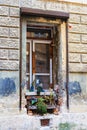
39,89
41,106
67,126
64,126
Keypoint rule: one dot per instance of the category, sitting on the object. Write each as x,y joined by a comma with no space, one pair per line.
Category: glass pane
28,82
42,57
27,58
27,65
43,80
38,33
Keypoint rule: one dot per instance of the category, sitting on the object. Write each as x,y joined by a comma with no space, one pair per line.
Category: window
54,29
39,57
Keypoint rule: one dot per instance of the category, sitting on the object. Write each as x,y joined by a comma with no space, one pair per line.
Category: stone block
84,58
73,57
84,38
83,29
4,21
9,43
3,54
74,38
14,12
84,9
74,18
4,11
64,7
33,4
10,2
14,32
74,8
26,3
4,31
14,22
9,21
77,28
76,67
54,6
13,54
9,65
84,19
78,48
78,9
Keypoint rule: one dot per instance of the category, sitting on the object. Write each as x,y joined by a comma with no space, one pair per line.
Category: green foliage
41,106
39,89
66,126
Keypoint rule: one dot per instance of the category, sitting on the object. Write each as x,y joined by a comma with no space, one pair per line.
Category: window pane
42,57
27,58
34,32
28,81
27,65
44,80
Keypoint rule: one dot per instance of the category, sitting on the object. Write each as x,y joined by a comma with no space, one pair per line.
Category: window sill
35,93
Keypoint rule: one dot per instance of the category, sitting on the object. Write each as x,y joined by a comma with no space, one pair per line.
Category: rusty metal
44,13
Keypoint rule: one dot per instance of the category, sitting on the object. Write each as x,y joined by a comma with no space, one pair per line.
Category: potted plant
41,106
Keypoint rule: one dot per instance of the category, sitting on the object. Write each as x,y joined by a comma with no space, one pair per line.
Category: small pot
45,122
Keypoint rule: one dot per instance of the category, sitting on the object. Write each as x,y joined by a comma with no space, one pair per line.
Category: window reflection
42,58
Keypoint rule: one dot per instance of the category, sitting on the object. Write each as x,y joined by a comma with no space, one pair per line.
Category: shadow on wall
7,86
74,88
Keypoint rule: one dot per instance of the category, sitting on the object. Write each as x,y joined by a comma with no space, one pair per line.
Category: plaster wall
10,38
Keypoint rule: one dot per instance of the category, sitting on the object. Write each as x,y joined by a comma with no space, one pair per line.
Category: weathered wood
43,13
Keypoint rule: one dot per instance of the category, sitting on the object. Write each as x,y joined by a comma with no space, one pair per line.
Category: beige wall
9,52
77,32
76,1
10,36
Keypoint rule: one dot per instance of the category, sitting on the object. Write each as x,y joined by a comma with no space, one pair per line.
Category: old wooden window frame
24,12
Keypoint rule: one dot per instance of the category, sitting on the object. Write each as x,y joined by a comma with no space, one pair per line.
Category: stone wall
9,54
65,121
10,37
77,32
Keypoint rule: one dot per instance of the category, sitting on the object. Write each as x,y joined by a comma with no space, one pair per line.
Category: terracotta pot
45,122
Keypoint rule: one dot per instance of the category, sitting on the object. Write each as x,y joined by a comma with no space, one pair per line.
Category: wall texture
77,34
10,38
9,55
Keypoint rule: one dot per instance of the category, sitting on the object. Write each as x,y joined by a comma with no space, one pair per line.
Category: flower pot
45,122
